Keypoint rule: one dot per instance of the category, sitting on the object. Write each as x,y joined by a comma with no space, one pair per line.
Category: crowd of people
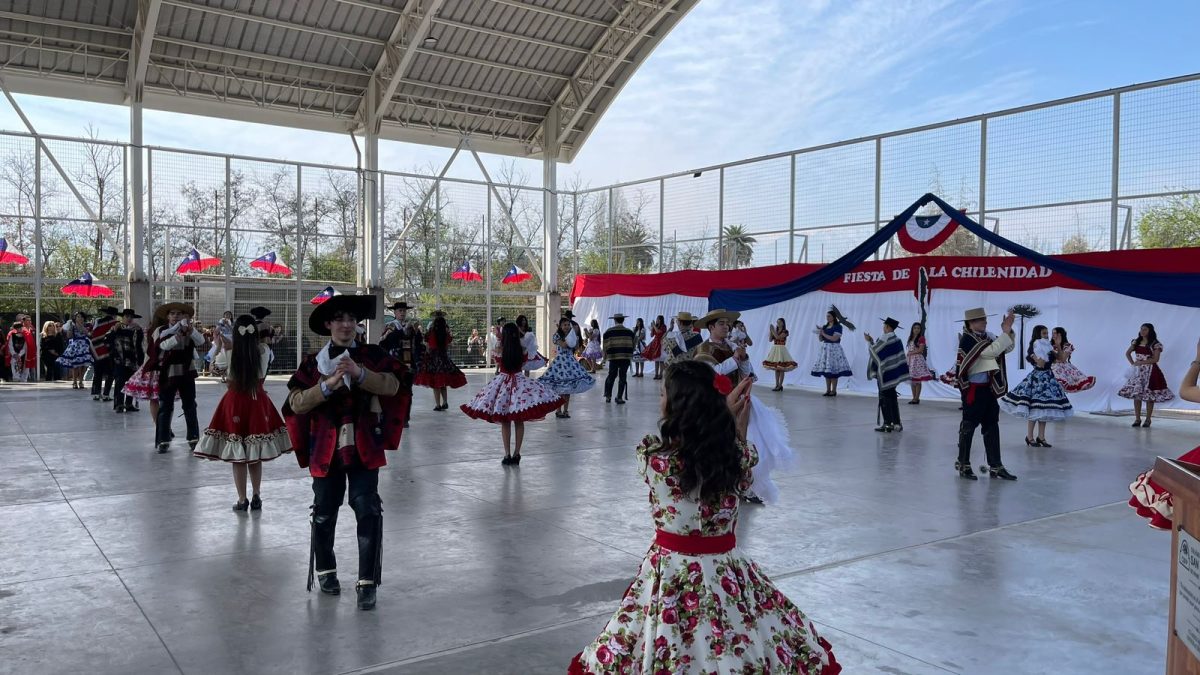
696,602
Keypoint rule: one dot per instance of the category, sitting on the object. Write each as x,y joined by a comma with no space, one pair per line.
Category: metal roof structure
420,71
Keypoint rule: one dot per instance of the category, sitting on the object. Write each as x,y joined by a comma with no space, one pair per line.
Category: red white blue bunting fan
922,234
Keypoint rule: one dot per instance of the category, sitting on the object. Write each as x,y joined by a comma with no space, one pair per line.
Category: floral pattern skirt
244,428
1071,378
918,368
77,354
705,614
1147,383
512,397
831,362
566,377
437,370
1038,398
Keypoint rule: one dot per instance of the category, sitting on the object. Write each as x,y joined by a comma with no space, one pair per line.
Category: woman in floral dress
78,353
511,399
831,361
437,370
918,367
1146,381
1071,378
698,604
592,354
565,376
639,346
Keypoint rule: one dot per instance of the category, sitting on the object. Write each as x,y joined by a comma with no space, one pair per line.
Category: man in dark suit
618,350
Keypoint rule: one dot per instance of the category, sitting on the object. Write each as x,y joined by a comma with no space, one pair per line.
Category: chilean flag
516,275
270,264
8,257
87,286
323,296
467,272
195,262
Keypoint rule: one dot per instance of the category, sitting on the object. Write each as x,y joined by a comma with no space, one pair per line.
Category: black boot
329,582
366,593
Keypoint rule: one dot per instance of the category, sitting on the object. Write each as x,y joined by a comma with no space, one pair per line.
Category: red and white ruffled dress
245,427
512,397
1151,501
436,369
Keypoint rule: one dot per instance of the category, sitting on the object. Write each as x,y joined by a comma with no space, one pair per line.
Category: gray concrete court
116,560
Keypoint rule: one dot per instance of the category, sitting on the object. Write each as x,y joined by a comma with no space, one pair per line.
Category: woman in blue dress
1039,398
565,375
78,353
831,361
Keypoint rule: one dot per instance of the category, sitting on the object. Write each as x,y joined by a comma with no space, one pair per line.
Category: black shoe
192,442
964,471
607,399
328,582
886,429
506,461
897,427
914,403
255,504
620,402
1030,442
1000,472
120,409
106,398
241,506
1041,443
752,498
1146,424
516,459
1137,423
163,448
366,594
95,397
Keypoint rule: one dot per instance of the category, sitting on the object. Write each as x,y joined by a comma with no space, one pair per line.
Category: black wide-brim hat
259,312
891,322
361,306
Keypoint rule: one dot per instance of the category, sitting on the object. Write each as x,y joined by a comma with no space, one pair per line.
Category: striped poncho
889,363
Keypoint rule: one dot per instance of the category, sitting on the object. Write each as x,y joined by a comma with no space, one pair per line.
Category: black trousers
982,412
889,404
328,494
617,370
49,368
186,388
120,377
102,373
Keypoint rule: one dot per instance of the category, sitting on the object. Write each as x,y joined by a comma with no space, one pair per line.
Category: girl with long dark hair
565,376
143,384
918,366
1146,382
831,361
654,350
682,601
592,354
639,345
779,359
437,370
1068,375
78,352
533,358
1039,398
246,429
511,399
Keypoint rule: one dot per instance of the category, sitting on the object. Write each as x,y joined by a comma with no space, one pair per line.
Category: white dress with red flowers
705,613
512,397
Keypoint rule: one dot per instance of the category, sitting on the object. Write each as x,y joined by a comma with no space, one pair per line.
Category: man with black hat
127,351
175,342
346,405
102,368
618,350
889,367
681,343
982,380
400,341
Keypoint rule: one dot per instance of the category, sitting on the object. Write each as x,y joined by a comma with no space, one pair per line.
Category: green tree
737,247
1173,223
1077,243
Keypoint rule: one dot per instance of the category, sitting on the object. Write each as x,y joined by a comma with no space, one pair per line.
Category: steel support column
549,300
138,295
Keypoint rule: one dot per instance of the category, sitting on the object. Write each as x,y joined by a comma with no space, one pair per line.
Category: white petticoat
767,430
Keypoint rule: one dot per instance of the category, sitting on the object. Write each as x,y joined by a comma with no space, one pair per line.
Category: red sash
695,545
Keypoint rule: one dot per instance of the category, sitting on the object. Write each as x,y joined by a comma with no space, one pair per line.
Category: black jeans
328,493
120,377
983,412
617,369
49,368
889,404
102,370
186,388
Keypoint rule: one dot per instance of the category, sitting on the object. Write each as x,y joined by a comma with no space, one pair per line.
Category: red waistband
695,545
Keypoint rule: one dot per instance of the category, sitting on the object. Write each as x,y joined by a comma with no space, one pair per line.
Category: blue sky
739,78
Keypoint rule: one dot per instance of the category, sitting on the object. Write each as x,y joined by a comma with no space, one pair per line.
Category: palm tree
736,247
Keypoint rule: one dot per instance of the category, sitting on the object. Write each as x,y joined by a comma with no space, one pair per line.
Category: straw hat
718,314
976,313
161,312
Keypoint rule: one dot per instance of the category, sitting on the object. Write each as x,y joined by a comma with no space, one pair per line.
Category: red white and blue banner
87,286
923,234
516,275
271,264
8,257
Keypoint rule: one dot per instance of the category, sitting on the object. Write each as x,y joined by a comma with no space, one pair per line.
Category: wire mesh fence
1117,169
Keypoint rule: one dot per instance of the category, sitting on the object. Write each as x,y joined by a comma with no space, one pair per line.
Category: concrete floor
118,560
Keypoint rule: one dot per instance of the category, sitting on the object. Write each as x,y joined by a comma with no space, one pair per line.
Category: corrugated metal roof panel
315,58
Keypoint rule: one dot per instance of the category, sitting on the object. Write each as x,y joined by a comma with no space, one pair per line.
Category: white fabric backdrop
1100,325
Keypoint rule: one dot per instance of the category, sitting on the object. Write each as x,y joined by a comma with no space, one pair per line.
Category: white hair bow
245,329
